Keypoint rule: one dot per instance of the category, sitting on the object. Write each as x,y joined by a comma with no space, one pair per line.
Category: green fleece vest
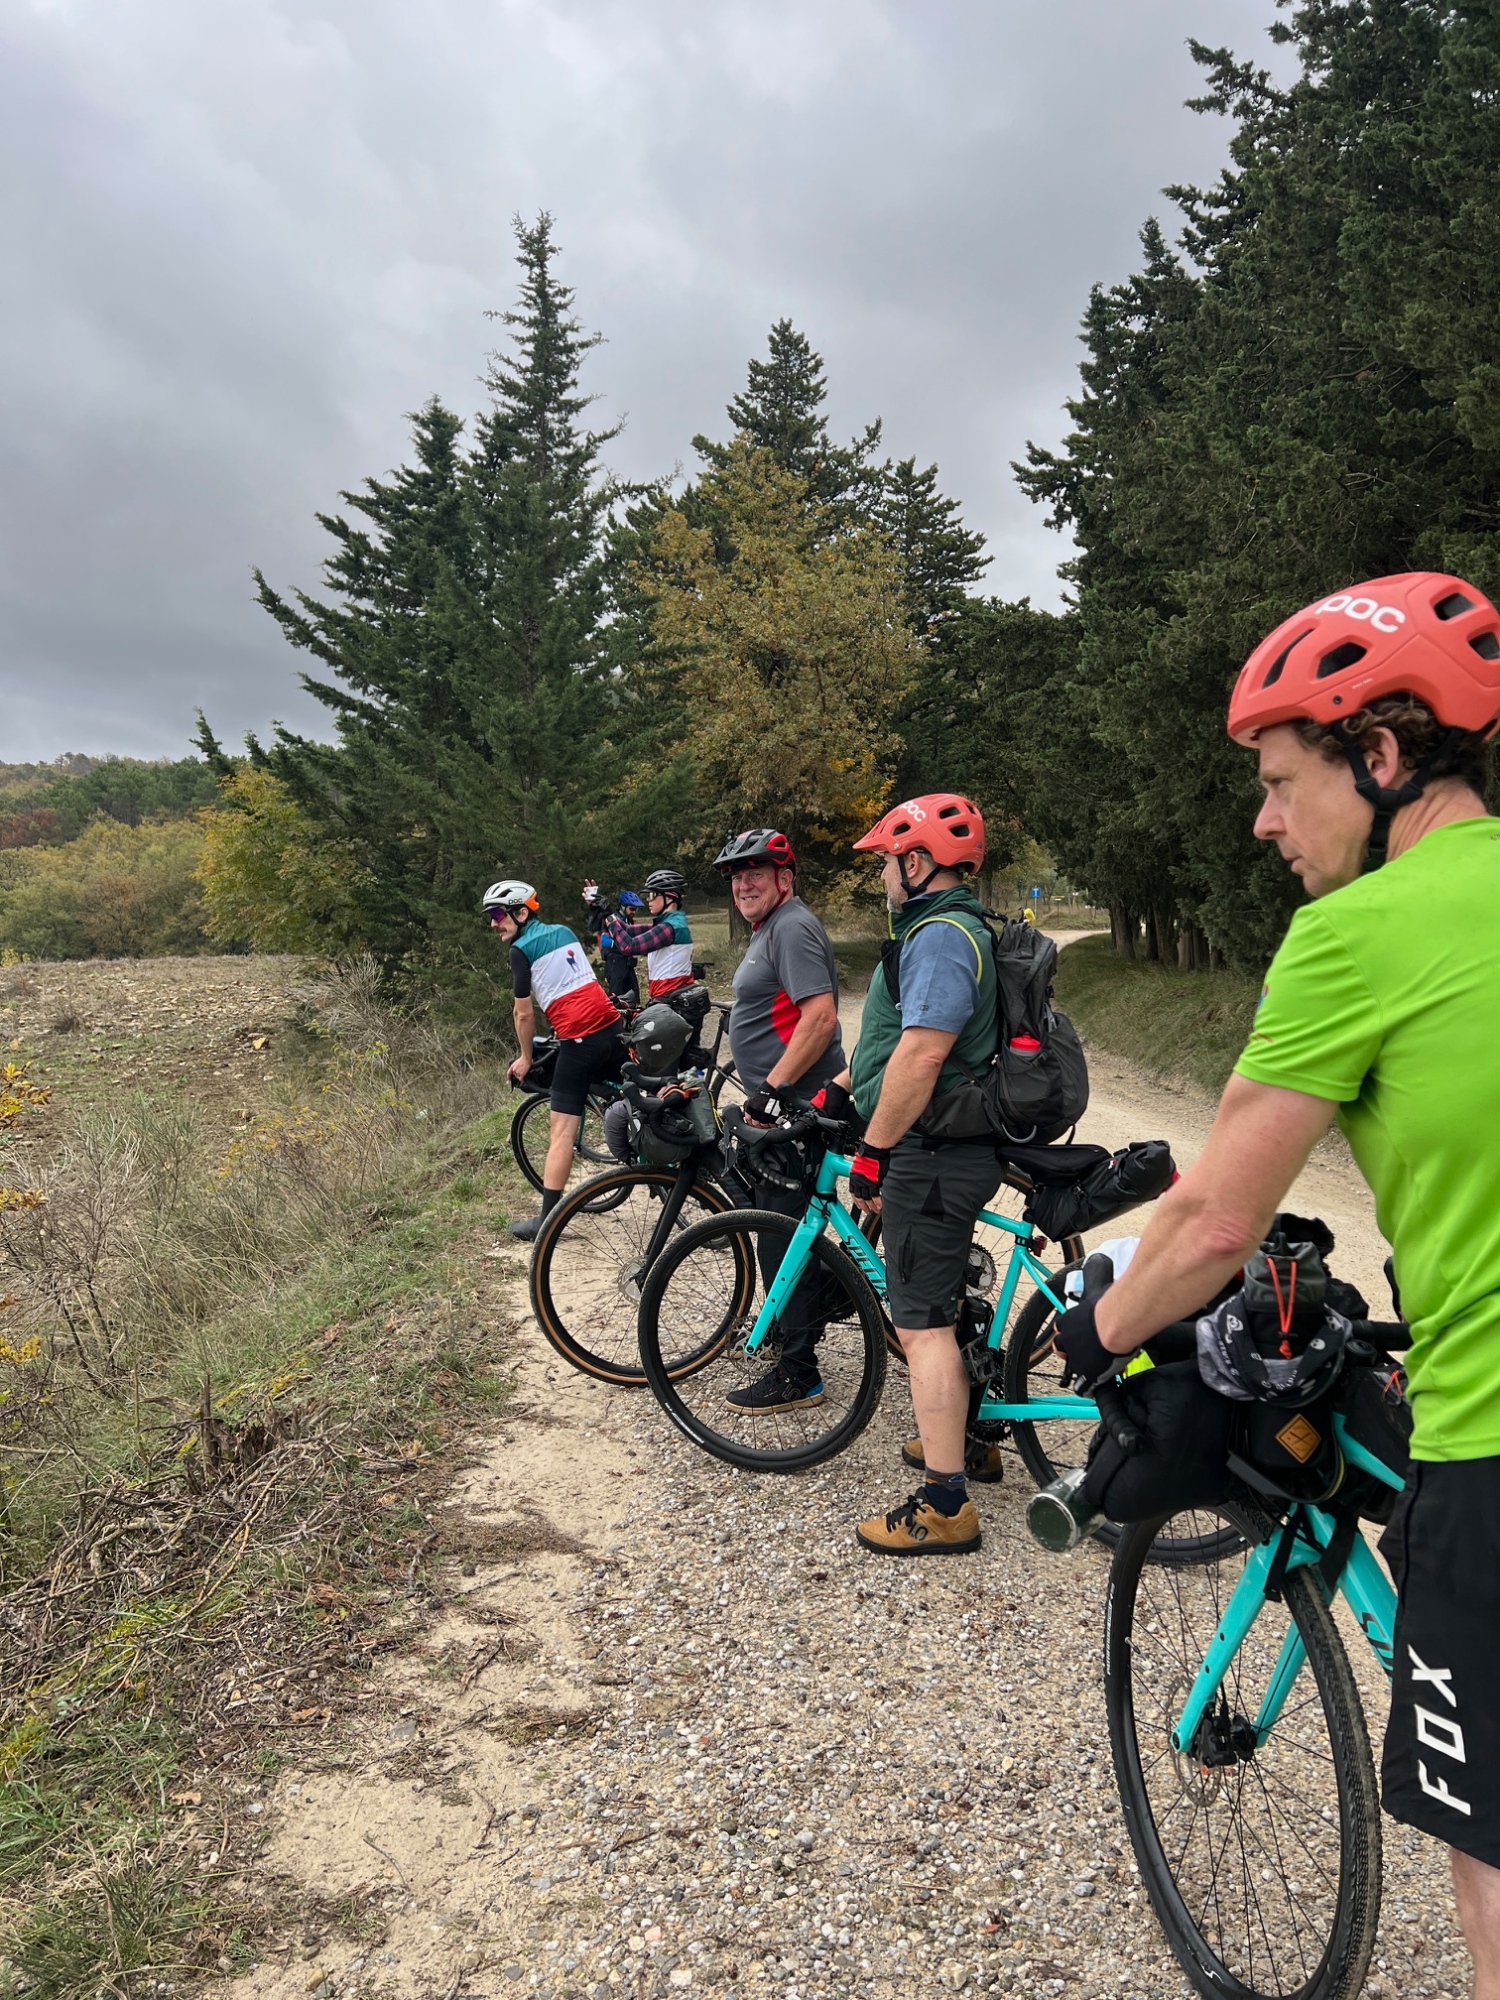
880,1026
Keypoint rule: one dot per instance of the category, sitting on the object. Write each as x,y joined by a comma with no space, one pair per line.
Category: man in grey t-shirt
784,1037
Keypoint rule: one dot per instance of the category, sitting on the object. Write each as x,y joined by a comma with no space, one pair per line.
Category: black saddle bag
1066,1202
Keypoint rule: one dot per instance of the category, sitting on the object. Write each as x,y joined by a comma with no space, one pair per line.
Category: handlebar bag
1185,1459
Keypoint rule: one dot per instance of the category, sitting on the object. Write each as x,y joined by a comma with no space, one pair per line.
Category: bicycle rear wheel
530,1130
1054,1445
713,1272
1261,1858
589,1263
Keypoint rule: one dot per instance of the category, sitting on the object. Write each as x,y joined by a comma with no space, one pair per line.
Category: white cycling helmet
516,899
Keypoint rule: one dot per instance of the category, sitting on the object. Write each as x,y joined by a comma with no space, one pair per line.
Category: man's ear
1386,764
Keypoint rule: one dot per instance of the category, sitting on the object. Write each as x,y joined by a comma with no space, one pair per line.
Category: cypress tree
467,671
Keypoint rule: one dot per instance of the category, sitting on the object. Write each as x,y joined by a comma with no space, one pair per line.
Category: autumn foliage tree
787,659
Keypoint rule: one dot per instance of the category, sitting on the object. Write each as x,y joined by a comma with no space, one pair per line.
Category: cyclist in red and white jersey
550,970
666,942
1371,712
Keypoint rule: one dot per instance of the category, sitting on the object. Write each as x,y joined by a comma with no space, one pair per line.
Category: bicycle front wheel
530,1131
1259,1845
590,1261
833,1330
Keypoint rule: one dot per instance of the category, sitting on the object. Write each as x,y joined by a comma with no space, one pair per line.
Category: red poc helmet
943,824
1423,634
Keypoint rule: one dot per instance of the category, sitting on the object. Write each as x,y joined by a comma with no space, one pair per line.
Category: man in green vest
930,1023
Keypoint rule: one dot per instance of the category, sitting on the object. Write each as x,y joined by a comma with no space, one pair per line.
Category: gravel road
737,1755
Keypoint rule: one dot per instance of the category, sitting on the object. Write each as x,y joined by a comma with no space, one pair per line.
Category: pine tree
939,556
780,411
1305,399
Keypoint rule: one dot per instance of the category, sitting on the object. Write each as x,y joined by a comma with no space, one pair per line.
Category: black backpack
1037,1085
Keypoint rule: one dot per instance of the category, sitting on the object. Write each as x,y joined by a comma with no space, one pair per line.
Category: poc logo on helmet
1384,617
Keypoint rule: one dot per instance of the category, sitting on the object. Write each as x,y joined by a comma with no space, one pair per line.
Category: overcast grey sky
244,237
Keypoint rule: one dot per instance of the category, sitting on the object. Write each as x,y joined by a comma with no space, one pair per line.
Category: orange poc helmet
943,824
1423,634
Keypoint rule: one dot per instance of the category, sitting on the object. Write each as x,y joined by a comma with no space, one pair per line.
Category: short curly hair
1418,735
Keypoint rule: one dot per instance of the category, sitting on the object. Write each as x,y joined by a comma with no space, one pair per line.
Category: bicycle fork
792,1269
1363,1584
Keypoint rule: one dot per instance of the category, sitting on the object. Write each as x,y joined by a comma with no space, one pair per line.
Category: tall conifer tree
467,676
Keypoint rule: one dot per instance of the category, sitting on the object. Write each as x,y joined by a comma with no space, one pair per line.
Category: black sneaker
777,1391
528,1229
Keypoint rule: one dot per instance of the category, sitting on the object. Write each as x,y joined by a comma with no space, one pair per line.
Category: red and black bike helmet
761,848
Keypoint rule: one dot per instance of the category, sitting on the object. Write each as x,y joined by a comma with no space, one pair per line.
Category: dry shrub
135,1227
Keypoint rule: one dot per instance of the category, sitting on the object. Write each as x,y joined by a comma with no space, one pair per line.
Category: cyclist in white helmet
550,970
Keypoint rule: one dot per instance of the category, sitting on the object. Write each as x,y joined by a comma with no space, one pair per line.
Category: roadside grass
236,1378
1175,1025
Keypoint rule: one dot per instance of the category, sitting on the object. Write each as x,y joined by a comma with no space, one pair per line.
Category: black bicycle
598,1243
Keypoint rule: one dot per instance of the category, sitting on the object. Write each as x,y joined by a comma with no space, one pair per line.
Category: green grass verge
1177,1025
263,1499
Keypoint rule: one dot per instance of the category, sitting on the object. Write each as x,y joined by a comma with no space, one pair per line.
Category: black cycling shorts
593,1059
929,1200
1441,1767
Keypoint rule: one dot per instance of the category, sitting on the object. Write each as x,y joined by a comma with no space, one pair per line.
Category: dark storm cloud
243,239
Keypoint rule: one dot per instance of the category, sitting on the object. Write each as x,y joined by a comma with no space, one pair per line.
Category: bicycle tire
529,1133
585,1289
851,1350
1053,1445
1212,1831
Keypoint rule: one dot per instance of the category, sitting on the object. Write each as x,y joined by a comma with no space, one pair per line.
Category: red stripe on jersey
660,988
582,1012
785,1014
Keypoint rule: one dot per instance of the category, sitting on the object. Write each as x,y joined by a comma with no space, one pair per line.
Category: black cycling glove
766,1106
833,1100
1086,1357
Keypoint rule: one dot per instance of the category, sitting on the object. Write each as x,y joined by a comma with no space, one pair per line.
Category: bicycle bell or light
658,1038
1059,1517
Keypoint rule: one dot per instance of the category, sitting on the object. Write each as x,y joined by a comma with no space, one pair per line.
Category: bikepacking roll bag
1037,1085
666,1129
1185,1430
1066,1202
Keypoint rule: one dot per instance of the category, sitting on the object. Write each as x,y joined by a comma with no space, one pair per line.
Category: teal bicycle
1238,1733
745,1272
826,1267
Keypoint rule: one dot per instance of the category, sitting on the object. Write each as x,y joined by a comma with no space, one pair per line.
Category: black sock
550,1198
945,1492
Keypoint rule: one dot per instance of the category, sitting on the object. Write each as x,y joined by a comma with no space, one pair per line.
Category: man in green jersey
1371,712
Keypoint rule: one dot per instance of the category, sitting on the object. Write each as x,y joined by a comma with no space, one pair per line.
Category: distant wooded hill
45,804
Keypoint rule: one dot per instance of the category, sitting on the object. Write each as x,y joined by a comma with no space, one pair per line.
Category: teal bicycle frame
1362,1582
826,1211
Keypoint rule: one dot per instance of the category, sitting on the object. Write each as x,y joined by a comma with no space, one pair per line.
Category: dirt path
723,1751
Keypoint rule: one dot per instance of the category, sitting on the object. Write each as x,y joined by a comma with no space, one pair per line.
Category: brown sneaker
918,1529
983,1463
